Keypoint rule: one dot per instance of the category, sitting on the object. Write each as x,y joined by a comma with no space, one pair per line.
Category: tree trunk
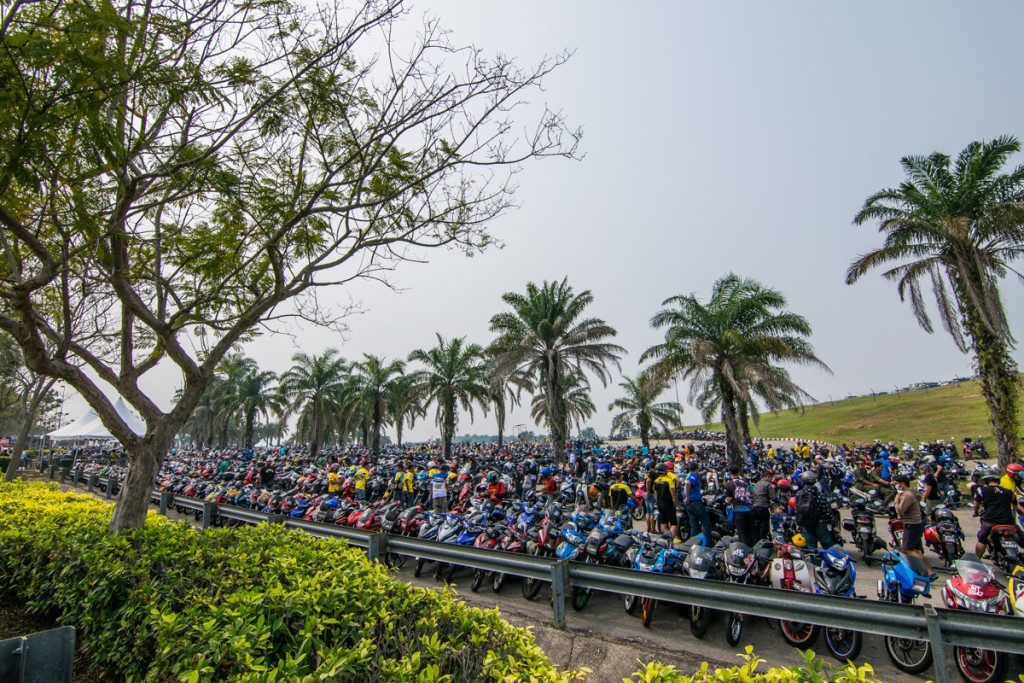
32,395
554,398
143,466
645,430
999,382
448,427
743,416
499,413
250,420
733,446
375,433
398,430
19,448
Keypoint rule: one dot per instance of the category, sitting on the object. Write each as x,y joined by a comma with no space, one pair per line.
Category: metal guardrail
943,627
44,657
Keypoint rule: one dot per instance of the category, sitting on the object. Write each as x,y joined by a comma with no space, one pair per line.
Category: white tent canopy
89,425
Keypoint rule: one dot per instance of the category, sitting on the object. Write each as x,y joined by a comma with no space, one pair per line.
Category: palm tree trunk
499,413
250,420
999,381
398,429
375,433
554,399
448,428
734,448
744,421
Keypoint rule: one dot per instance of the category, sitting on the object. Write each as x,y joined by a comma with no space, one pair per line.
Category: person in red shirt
550,490
496,489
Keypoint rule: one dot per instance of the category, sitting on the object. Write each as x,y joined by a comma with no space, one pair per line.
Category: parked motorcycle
973,587
834,574
904,579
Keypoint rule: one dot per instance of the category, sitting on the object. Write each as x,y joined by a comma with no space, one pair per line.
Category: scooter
703,562
945,537
790,572
745,565
973,587
654,557
834,574
904,579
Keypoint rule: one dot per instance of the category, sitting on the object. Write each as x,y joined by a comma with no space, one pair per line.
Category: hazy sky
719,137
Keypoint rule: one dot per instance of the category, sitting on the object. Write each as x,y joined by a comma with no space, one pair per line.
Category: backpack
805,515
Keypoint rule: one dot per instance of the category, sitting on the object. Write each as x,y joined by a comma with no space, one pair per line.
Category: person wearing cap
761,505
996,506
908,510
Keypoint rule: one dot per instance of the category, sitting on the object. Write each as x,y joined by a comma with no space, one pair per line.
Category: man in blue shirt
696,510
886,472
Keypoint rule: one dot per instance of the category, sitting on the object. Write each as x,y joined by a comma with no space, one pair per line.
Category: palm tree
312,387
505,392
406,403
255,396
376,378
957,227
576,406
543,336
638,407
728,350
454,376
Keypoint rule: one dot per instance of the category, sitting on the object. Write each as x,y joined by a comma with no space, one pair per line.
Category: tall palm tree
639,406
505,393
406,403
454,376
576,407
312,387
376,379
255,395
957,226
729,350
543,336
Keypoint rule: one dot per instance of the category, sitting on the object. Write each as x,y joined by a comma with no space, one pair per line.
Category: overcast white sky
719,137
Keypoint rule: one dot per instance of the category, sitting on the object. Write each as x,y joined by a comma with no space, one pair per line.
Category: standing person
550,490
737,494
996,506
929,488
439,488
696,510
529,483
665,496
908,510
333,485
362,474
812,514
649,500
619,492
761,505
408,479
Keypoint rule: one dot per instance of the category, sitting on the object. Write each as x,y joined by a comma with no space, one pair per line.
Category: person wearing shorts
908,509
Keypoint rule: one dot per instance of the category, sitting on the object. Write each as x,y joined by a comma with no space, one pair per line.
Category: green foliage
3,463
258,604
813,671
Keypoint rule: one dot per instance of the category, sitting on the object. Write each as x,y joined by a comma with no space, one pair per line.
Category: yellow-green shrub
813,671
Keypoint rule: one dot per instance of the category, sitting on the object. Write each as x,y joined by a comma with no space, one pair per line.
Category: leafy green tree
376,379
312,387
25,395
543,337
729,350
956,227
454,376
639,406
175,175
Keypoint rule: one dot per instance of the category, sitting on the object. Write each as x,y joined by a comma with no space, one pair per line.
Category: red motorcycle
544,545
973,587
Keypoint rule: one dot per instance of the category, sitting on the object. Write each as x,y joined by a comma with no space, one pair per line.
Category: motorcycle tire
531,587
734,628
647,606
630,602
981,666
799,634
909,655
478,580
498,582
579,598
419,567
700,621
396,560
640,511
844,644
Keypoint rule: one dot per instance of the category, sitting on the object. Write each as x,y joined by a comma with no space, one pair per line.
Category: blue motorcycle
655,557
904,578
834,574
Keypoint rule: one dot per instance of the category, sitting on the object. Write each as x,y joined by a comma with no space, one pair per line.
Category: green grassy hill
922,415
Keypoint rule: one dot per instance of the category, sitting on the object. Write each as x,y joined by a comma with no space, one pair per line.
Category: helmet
798,541
989,478
784,483
492,477
1015,469
792,503
931,535
929,459
661,469
670,466
808,478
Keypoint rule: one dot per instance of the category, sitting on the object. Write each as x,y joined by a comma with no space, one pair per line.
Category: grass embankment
926,414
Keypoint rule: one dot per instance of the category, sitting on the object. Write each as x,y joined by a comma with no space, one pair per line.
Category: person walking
665,497
813,516
908,511
439,489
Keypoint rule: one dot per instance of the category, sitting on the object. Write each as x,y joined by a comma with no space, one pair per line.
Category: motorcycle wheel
647,606
844,644
478,580
630,602
419,567
640,511
531,587
980,666
799,634
907,654
700,621
734,628
499,581
579,598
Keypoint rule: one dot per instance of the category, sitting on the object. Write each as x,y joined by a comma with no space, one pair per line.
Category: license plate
949,538
1009,545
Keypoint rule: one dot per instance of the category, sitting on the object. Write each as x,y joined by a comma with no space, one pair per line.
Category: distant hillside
925,415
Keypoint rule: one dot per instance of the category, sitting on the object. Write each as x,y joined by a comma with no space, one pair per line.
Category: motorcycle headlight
839,563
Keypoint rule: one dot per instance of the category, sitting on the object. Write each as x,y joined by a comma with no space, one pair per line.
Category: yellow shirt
332,482
361,476
407,482
1007,483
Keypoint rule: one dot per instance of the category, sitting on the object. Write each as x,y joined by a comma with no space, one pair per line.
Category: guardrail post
275,519
559,586
76,478
938,650
93,478
166,501
110,488
63,474
209,512
53,472
377,547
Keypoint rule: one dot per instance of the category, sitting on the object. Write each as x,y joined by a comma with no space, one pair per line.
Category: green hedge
262,604
256,604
